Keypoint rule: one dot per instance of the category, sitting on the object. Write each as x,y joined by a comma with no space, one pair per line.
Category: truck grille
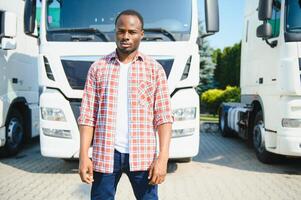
76,71
75,106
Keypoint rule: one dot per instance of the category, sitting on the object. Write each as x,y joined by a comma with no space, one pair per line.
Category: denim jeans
105,184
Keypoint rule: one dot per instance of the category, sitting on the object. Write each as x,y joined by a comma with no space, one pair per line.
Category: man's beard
127,51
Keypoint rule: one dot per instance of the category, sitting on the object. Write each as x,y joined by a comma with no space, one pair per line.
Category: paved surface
224,169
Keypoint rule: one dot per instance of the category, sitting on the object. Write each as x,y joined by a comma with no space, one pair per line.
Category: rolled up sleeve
89,105
162,105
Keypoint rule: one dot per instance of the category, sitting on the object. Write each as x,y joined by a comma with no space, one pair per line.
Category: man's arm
85,164
158,169
163,121
86,121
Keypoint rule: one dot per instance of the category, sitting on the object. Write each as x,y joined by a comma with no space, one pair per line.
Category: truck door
269,56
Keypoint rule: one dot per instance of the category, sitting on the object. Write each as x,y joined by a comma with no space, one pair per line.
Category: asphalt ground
225,168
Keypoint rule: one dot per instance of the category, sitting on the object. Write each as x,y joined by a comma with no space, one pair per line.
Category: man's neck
126,58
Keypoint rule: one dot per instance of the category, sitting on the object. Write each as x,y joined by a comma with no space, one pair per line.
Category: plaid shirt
148,103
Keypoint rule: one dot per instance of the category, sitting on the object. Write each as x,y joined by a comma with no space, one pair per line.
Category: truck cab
269,114
19,81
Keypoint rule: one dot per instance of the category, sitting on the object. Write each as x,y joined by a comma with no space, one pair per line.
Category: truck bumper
57,146
180,147
184,147
289,145
2,136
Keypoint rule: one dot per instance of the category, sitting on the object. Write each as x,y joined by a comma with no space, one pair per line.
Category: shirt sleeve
162,105
89,105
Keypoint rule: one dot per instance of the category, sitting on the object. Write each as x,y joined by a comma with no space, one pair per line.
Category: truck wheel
14,133
223,123
184,160
258,140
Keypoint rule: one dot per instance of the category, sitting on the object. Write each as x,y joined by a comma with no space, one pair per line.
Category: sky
231,23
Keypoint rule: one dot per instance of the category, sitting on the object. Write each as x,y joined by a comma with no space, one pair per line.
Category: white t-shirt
122,134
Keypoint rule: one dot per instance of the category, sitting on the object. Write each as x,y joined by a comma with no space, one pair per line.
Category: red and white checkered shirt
148,106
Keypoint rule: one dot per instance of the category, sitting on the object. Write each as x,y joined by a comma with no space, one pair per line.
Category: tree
206,65
227,70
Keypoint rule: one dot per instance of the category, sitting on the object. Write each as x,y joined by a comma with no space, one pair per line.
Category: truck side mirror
211,17
30,16
264,31
8,30
265,10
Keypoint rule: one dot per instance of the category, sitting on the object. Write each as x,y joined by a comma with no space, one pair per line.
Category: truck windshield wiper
81,30
160,30
294,28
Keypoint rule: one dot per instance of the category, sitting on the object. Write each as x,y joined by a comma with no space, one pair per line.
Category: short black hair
133,13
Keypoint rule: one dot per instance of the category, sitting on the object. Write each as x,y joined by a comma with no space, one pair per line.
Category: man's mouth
124,44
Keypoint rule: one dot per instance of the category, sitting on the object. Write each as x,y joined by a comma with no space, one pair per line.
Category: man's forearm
86,135
164,133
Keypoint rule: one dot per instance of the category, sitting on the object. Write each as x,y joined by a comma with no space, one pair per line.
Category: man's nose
126,35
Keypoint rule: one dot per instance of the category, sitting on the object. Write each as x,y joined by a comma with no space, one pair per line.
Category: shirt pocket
145,93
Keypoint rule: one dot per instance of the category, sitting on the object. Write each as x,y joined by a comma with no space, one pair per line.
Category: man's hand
86,170
85,164
158,171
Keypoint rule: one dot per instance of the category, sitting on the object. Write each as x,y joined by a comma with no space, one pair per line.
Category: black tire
184,160
70,160
223,123
14,133
258,141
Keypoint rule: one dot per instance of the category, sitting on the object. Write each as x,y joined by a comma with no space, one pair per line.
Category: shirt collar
139,57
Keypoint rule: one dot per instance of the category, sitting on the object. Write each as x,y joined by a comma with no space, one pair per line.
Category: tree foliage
214,97
206,65
227,70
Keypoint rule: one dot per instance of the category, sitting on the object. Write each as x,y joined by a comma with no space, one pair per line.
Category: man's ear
142,33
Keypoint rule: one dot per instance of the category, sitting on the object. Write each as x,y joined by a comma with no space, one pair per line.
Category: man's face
128,33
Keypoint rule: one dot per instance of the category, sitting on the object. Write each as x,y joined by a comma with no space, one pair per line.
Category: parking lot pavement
224,169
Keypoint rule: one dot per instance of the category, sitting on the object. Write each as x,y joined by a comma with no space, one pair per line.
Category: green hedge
214,97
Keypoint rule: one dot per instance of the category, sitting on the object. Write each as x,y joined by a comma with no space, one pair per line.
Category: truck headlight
57,133
53,114
182,114
291,123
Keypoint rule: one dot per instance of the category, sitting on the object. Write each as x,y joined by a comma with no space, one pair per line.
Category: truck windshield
93,20
293,16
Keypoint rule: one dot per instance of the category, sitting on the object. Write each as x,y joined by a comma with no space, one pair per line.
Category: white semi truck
269,114
72,34
19,88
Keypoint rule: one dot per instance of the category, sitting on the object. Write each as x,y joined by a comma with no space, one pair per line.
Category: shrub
214,97
231,94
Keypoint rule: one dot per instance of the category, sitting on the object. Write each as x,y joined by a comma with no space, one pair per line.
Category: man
125,102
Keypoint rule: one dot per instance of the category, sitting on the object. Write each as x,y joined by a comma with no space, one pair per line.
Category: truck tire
184,160
223,123
14,133
258,141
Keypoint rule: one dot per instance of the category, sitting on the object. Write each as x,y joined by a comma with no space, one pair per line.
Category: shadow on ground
233,152
214,149
31,160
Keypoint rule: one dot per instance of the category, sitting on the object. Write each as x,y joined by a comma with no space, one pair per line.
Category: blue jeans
105,184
